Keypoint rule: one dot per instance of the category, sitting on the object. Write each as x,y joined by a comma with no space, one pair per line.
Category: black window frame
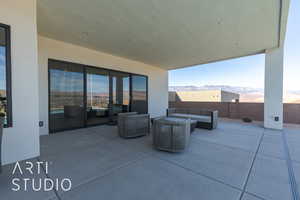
85,67
8,75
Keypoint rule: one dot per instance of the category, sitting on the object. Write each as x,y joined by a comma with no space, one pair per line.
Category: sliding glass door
139,94
97,96
66,107
81,96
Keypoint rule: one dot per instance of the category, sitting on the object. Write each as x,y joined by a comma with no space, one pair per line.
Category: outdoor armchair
133,125
171,134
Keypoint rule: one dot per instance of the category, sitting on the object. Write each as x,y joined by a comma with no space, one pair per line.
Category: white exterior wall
22,140
273,106
53,49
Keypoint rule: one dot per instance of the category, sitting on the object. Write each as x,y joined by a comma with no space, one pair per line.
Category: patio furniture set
170,133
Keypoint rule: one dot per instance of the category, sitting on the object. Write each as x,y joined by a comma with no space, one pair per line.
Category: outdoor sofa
132,124
206,119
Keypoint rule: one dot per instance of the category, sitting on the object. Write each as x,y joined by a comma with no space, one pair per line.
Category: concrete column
273,106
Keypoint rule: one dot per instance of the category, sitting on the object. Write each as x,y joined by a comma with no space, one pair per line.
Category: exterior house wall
254,111
21,141
229,96
203,96
206,96
172,96
49,48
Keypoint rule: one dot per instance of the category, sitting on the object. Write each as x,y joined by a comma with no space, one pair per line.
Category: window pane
97,104
139,94
120,92
3,95
126,91
114,90
66,96
2,37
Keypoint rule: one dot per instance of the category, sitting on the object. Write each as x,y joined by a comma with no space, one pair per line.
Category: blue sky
2,68
247,71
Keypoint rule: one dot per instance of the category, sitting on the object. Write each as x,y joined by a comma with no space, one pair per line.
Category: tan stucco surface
203,96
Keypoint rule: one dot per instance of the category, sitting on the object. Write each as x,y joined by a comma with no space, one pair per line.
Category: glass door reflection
97,92
139,94
120,87
66,109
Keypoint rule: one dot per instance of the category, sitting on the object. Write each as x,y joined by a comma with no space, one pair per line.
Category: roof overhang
169,34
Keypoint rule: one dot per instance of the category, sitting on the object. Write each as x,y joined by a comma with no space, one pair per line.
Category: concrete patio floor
237,161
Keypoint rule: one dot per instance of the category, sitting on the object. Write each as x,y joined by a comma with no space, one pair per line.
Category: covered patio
135,40
235,161
68,63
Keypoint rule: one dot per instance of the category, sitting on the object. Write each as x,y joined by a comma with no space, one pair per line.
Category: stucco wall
49,48
254,111
22,140
229,96
203,95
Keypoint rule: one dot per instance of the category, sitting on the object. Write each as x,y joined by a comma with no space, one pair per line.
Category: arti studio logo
37,184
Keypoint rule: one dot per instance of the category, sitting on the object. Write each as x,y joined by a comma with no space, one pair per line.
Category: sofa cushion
200,118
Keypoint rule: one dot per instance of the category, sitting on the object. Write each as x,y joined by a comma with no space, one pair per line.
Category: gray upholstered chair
73,111
171,134
132,124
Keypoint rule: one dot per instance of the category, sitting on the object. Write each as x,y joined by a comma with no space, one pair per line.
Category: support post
273,104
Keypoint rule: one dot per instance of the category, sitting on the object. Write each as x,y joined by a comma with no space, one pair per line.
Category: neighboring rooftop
247,94
204,96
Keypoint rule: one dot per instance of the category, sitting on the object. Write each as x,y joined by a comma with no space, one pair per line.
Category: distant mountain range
247,94
227,88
